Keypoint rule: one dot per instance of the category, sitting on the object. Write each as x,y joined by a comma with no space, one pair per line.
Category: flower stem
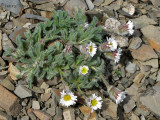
60,71
105,82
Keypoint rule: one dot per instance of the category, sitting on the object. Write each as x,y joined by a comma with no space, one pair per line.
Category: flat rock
9,25
25,118
138,78
98,2
129,106
40,1
32,16
18,31
35,105
132,91
135,43
6,43
131,67
14,6
109,109
143,21
3,116
73,5
42,115
150,99
46,6
22,92
46,14
152,34
9,102
3,15
107,2
68,114
90,4
7,84
44,86
134,117
152,62
59,114
0,42
51,110
13,71
158,76
156,3
121,40
37,90
144,53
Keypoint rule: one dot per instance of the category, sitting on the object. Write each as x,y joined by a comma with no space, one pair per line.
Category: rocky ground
137,73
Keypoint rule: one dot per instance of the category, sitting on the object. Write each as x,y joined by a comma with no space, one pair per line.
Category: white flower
67,98
92,48
83,70
86,25
130,27
116,94
117,55
94,102
112,44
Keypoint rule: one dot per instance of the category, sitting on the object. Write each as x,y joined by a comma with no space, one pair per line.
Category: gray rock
7,84
44,86
0,42
152,34
129,106
22,92
131,67
135,43
2,62
98,2
37,17
14,6
6,43
152,62
58,115
121,40
142,110
143,21
156,3
35,105
123,73
25,118
40,1
51,111
107,2
37,90
4,116
134,117
3,15
68,114
73,5
90,4
158,76
150,99
9,25
46,6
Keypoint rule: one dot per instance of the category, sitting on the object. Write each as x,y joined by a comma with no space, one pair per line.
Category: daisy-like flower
130,27
86,25
92,48
117,55
67,98
94,102
83,70
111,43
116,94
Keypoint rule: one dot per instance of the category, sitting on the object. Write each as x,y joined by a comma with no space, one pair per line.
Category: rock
37,90
98,2
35,105
144,53
90,4
45,97
131,67
14,6
31,114
52,110
73,5
44,86
46,6
40,1
21,21
112,23
142,110
18,31
150,99
123,73
3,116
133,92
121,40
134,117
41,115
134,1
25,118
129,8
58,115
2,62
85,110
46,14
107,2
0,42
22,92
9,25
135,43
3,15
9,102
7,84
6,43
143,21
37,17
129,106
109,109
152,62
152,34
156,3
138,78
13,71
68,114
158,76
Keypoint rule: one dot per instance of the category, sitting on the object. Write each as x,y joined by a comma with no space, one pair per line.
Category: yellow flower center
110,43
94,102
84,70
67,97
90,48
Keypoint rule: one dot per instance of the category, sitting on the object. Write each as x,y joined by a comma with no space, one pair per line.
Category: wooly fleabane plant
64,47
